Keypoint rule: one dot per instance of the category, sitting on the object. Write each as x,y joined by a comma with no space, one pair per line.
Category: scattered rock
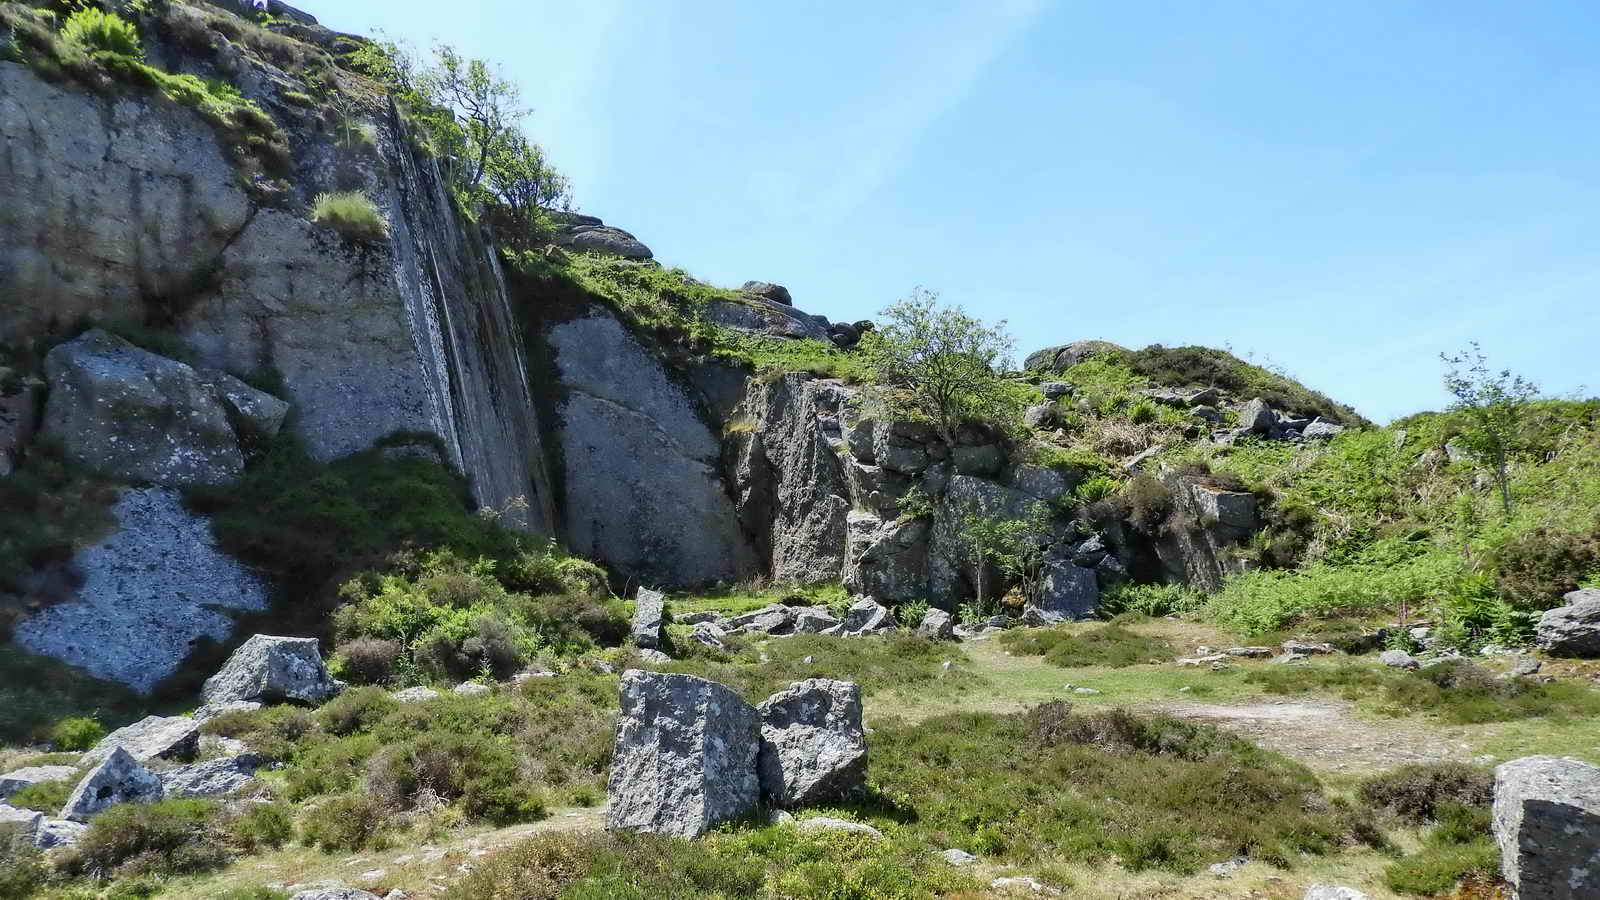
866,616
958,857
254,415
1249,652
1398,659
120,779
53,833
697,618
1055,390
1522,668
810,620
14,781
1321,430
1209,659
26,821
710,635
1573,629
417,694
774,618
813,749
212,778
1042,416
654,657
650,609
153,737
685,755
826,823
936,625
1547,823
1022,883
777,293
472,689
1226,868
212,710
1332,892
273,669
335,894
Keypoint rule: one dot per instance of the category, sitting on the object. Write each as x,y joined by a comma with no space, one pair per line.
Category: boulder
1333,892
828,823
1573,629
1040,482
602,239
866,616
811,620
25,821
1013,884
697,618
471,689
273,669
1306,648
1398,659
153,737
777,293
958,857
1041,415
1249,652
53,833
335,894
936,625
886,559
1257,417
120,779
212,710
16,780
654,657
1068,593
137,416
813,748
979,459
1547,823
710,635
758,315
212,778
1321,430
1065,356
254,414
774,618
649,612
685,756
417,694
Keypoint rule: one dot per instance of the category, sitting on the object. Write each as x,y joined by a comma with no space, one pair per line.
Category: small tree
1014,545
1493,406
939,364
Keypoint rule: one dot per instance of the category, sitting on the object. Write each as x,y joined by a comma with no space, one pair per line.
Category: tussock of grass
352,214
1106,645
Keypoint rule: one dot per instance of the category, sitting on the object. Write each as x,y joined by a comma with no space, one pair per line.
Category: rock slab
685,756
271,669
153,737
1573,629
1547,823
120,779
650,609
14,781
813,747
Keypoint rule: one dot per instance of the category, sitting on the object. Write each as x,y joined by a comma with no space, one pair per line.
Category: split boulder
813,748
120,779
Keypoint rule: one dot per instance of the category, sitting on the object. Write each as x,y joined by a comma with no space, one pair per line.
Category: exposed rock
25,821
774,618
1333,892
936,625
958,857
254,414
212,710
1041,416
1040,482
654,657
273,669
758,315
1547,823
866,616
53,833
696,618
1065,356
471,689
16,780
417,694
335,894
811,620
1573,629
1205,524
602,239
1307,648
1055,390
1249,652
212,778
777,293
1068,593
813,749
1322,430
886,560
153,737
1257,417
1022,883
949,574
827,823
1398,659
685,756
649,612
979,459
710,635
1524,667
644,490
120,779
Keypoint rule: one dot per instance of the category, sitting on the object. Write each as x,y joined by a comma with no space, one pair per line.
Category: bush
272,731
329,767
475,770
1535,569
77,733
94,30
346,822
1154,600
22,868
1416,793
367,660
355,710
262,826
169,837
1108,645
352,214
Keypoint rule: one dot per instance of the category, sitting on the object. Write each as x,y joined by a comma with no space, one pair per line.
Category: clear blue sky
1343,189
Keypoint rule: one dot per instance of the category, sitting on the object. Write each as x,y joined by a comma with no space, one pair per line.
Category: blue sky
1341,189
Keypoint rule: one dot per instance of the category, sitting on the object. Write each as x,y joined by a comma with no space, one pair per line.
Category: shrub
1152,600
169,837
76,733
1535,569
22,867
1439,869
346,822
329,767
272,731
355,710
352,214
1416,793
261,826
94,30
475,770
1108,645
1096,489
367,660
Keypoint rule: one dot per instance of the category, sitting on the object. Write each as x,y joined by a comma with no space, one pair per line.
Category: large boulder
759,315
936,625
649,612
685,756
777,293
1573,629
131,414
55,833
120,779
17,779
26,822
1069,592
1065,356
1547,823
886,559
212,778
813,748
153,737
774,618
273,669
866,616
602,239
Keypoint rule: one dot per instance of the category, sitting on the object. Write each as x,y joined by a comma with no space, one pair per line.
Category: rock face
1069,592
813,748
273,669
150,590
643,481
415,334
598,238
1065,356
1547,823
137,416
758,315
1205,526
685,756
153,737
120,779
650,609
1573,629
16,780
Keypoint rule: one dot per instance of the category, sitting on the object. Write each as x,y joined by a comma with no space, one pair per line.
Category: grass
47,796
745,598
36,692
352,214
1111,646
900,662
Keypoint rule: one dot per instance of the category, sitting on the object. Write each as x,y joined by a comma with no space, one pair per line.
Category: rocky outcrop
150,590
1204,526
273,670
1547,823
1068,592
685,756
1065,356
592,235
643,487
120,779
153,737
1572,629
136,416
759,315
813,748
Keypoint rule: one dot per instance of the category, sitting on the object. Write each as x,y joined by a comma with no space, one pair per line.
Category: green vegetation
168,837
94,30
78,733
936,364
47,796
352,214
1185,366
1108,645
1455,691
1014,545
1492,407
899,661
1455,800
36,692
1149,600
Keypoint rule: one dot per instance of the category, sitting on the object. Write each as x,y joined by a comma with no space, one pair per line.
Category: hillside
432,539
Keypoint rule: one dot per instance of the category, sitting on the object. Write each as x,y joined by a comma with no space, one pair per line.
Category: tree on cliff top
937,364
1493,406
